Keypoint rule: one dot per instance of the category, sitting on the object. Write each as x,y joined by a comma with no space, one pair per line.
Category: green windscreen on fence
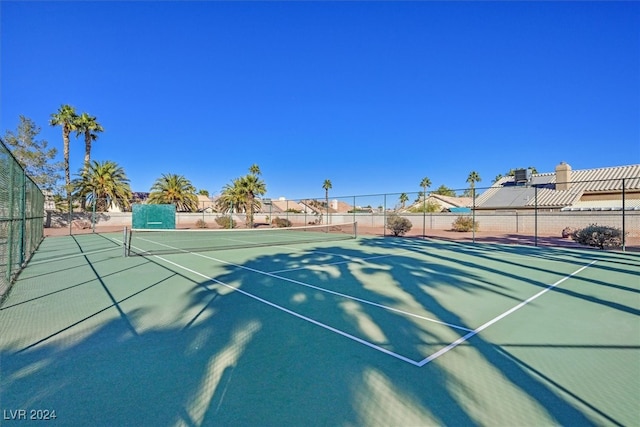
154,216
21,218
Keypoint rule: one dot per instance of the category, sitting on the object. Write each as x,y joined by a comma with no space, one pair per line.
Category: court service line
293,313
347,260
499,317
308,285
297,282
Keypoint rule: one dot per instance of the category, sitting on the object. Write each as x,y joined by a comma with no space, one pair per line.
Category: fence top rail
6,149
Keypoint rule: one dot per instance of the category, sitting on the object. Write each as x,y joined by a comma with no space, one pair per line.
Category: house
319,207
205,204
445,203
565,189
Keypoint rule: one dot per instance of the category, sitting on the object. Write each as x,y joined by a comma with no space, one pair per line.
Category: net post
124,242
355,229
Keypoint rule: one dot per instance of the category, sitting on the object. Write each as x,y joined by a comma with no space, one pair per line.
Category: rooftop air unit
522,176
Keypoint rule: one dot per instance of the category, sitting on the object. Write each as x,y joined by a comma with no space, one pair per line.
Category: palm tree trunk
87,150
67,175
87,159
326,200
250,211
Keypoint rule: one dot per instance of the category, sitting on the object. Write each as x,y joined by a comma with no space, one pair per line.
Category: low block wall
544,223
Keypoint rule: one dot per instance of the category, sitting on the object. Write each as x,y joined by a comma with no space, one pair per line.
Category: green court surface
362,332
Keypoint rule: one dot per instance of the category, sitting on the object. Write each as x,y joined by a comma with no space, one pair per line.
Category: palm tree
472,179
176,189
252,186
232,199
403,199
327,186
240,195
89,127
255,170
65,117
106,184
425,183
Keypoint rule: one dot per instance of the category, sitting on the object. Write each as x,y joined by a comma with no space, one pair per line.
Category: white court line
364,301
499,317
293,313
297,282
348,259
421,363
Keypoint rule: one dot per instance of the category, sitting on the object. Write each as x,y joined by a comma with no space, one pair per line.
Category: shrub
598,236
201,224
281,222
465,223
225,222
398,225
567,232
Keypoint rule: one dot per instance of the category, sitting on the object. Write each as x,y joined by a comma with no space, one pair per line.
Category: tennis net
147,242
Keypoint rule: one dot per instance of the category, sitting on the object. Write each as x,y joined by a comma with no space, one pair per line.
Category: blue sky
371,95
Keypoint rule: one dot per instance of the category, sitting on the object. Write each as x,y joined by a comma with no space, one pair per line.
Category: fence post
623,216
10,190
535,238
354,209
424,214
23,209
384,216
93,212
70,211
473,214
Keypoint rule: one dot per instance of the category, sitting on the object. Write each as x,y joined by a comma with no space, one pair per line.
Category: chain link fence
537,215
21,218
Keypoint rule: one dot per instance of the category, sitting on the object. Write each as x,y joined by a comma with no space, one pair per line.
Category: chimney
563,176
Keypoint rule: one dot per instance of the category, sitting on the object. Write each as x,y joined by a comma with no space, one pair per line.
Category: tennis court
365,331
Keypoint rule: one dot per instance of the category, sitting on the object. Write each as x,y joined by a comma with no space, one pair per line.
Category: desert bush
599,236
465,223
225,222
201,224
398,225
567,232
281,222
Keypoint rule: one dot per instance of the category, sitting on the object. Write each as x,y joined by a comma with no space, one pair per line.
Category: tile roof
604,205
454,201
506,194
445,202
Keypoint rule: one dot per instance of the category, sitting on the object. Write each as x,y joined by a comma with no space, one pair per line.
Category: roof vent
522,175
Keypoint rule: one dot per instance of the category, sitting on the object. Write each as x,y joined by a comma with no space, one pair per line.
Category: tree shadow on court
255,350
355,373
624,265
521,374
